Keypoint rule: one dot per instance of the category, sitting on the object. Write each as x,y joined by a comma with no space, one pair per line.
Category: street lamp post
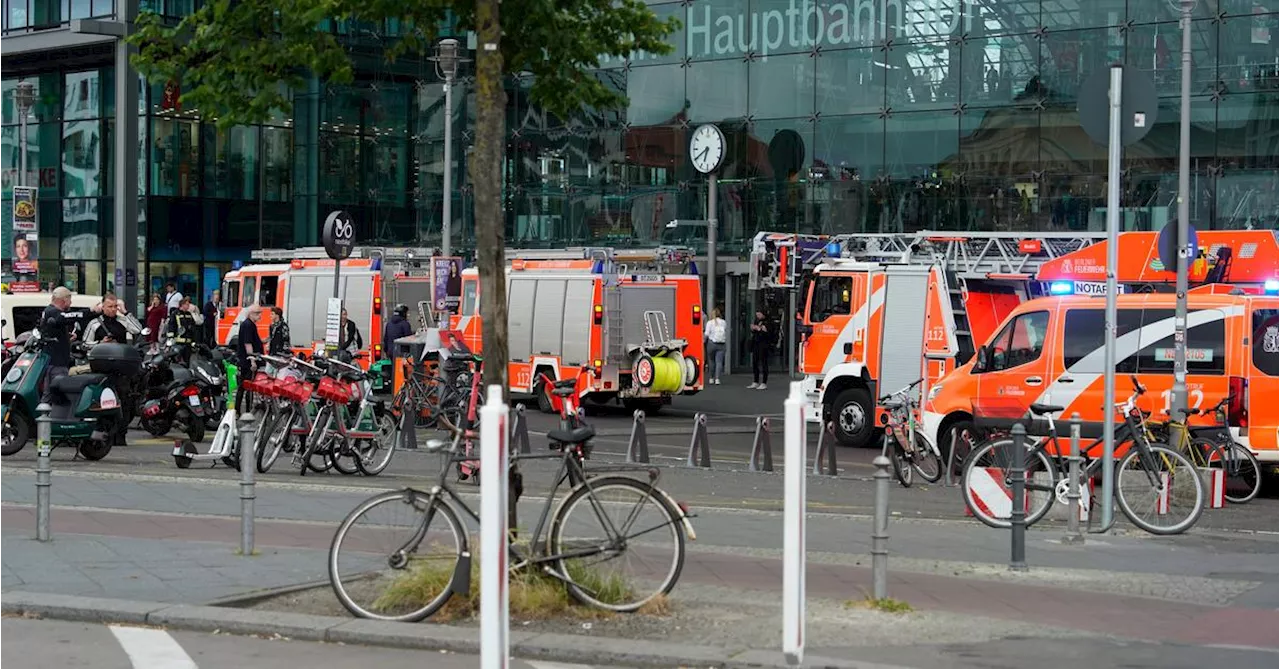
1179,396
25,98
447,60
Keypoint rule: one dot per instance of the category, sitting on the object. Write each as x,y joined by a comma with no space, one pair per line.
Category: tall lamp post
446,60
25,98
1179,399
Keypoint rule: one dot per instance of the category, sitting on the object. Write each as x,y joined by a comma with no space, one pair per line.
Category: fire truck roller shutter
638,299
549,317
578,301
520,310
903,334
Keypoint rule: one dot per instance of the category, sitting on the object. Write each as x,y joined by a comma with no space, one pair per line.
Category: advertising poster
446,280
25,231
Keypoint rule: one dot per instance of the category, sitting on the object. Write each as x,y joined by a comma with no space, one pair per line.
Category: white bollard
495,650
793,539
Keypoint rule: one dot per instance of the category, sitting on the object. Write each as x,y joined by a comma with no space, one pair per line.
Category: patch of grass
534,595
884,605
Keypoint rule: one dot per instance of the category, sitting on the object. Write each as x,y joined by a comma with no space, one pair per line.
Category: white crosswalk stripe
554,665
150,648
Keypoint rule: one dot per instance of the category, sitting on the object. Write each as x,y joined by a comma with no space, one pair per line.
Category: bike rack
519,437
698,445
409,436
761,448
638,443
951,481
825,448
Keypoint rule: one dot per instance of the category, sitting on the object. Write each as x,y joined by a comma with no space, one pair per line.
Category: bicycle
1213,448
910,451
367,435
581,538
290,415
1150,482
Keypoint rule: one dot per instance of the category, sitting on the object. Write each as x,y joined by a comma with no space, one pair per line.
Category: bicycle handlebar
902,391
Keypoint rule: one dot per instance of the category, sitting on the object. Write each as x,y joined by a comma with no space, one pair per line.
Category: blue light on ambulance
833,249
1061,288
1271,286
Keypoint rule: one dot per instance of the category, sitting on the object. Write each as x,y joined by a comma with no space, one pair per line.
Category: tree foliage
237,59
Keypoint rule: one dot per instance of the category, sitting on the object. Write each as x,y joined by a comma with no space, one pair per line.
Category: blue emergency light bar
1061,288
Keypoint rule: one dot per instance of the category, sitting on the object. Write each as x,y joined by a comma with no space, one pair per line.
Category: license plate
110,403
193,401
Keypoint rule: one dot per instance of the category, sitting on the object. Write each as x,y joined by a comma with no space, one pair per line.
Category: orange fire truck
882,310
300,282
626,323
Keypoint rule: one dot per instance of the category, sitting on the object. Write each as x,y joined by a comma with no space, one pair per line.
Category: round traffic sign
1139,105
339,235
1167,245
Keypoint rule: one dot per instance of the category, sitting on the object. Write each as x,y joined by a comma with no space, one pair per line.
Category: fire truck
300,282
626,323
882,310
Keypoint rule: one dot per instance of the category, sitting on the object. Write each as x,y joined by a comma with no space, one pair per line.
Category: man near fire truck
397,326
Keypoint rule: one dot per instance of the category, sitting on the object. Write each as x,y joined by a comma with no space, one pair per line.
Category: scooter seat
181,374
73,385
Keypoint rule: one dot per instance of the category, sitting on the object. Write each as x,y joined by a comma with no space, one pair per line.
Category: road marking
554,665
150,648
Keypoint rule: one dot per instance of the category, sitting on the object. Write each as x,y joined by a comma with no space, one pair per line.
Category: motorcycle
208,365
86,409
183,399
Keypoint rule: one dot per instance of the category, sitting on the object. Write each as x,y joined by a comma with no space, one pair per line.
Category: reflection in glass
231,162
82,158
850,81
717,90
174,167
656,94
922,75
781,87
1156,50
849,150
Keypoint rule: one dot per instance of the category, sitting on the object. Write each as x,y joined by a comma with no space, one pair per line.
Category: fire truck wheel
853,415
540,391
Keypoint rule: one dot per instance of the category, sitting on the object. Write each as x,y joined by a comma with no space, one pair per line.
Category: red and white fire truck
626,323
882,310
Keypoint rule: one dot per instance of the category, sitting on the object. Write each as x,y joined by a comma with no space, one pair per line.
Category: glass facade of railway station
841,116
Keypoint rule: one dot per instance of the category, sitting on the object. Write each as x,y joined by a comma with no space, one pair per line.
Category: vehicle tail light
697,314
598,364
190,391
377,351
377,305
1237,402
151,409
598,316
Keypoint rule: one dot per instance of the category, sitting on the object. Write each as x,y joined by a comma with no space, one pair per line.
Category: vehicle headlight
14,375
934,390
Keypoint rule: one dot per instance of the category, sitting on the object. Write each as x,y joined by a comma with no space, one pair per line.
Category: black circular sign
339,235
1139,105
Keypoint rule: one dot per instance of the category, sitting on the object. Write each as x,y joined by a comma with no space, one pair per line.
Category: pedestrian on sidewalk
279,342
715,331
249,343
761,345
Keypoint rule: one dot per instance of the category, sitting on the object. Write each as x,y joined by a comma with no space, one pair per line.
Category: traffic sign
1139,105
1167,245
339,235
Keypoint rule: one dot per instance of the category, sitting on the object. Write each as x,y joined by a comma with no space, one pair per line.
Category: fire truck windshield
829,296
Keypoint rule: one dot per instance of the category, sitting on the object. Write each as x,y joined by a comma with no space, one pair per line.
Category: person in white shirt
172,298
715,332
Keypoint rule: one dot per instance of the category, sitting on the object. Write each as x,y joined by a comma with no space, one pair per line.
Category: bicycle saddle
1042,409
575,436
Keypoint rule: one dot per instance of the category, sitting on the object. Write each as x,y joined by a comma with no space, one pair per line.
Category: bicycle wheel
269,451
373,455
638,540
926,462
394,557
901,467
1240,469
1160,492
987,485
343,457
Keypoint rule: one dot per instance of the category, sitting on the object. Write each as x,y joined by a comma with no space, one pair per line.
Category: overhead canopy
1225,256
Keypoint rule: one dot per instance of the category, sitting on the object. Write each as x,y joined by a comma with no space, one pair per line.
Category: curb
412,636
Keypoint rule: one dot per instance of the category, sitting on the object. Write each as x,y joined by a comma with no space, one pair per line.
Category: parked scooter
85,412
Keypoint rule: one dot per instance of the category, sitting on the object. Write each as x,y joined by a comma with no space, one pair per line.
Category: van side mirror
984,358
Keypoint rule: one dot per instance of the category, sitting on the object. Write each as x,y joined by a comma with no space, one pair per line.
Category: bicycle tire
1241,472
1188,472
344,586
926,463
343,459
277,439
901,467
556,538
384,446
1038,505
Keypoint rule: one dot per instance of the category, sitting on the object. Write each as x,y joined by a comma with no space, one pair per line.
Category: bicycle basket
260,384
334,391
293,391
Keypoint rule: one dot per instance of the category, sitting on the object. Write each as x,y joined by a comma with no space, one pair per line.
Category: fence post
44,469
880,531
494,603
825,448
1073,487
519,431
248,465
1018,516
638,443
793,526
761,447
699,449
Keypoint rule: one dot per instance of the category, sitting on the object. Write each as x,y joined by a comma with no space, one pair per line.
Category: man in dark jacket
56,325
211,310
397,326
248,342
349,338
114,324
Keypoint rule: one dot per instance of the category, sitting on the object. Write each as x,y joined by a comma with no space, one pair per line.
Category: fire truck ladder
402,253
973,255
614,261
960,317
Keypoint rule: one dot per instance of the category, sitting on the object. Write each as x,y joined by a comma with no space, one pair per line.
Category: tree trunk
486,174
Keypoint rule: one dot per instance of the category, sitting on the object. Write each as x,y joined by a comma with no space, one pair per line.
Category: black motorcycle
206,365
173,394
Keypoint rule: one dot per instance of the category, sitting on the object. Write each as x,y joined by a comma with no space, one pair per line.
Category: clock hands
703,154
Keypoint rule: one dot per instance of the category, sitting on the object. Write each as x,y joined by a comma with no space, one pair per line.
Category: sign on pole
26,231
339,239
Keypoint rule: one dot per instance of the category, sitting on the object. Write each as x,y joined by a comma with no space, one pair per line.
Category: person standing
56,324
211,310
113,325
349,338
715,331
279,342
184,323
397,326
761,344
155,317
172,298
249,343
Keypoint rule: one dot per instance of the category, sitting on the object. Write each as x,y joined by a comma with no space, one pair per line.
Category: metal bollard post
880,531
1073,487
248,464
519,438
1018,516
761,448
951,458
638,443
699,449
44,469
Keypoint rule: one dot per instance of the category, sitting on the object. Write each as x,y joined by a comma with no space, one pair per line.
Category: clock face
706,148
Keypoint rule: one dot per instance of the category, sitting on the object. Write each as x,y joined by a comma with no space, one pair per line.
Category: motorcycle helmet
402,309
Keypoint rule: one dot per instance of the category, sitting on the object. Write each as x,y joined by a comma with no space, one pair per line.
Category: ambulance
300,282
882,310
1050,351
626,323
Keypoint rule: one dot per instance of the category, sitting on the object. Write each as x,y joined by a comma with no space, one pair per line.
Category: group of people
760,342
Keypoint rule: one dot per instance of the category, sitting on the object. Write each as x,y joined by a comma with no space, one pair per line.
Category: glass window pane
1156,50
1150,190
852,150
923,75
717,90
340,168
1068,58
46,90
1142,11
386,169
998,154
15,14
781,86
81,229
675,39
1073,14
277,148
922,20
231,162
998,70
81,9
1248,53
1008,17
82,158
108,182
175,148
850,81
655,94
919,155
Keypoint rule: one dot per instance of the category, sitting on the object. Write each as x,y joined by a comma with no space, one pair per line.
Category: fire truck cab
626,323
